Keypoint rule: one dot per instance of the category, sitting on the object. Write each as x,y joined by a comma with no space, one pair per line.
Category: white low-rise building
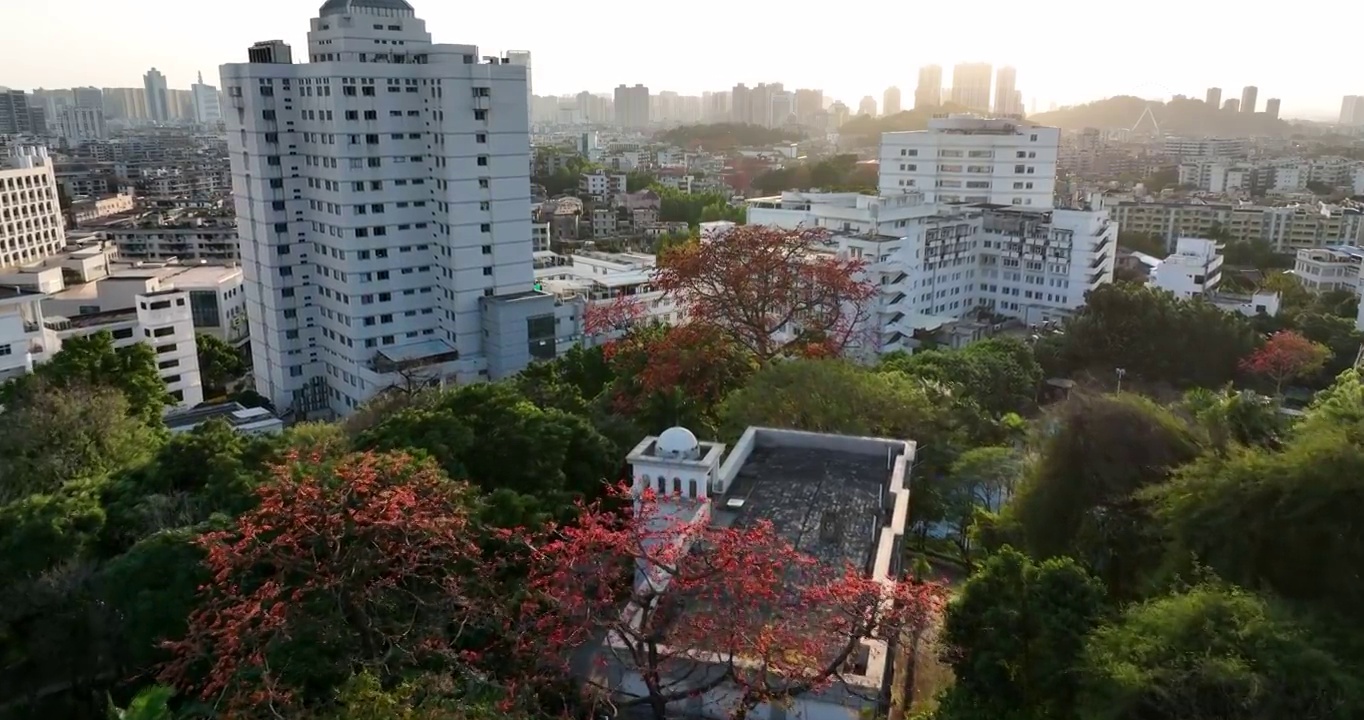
1330,268
1194,270
599,281
160,318
943,267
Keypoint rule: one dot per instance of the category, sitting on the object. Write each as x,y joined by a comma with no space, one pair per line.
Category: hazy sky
1066,51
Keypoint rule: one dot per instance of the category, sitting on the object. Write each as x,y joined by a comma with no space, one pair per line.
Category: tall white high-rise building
383,203
207,105
158,99
964,158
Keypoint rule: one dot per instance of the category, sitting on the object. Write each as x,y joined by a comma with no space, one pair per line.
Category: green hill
1177,117
725,136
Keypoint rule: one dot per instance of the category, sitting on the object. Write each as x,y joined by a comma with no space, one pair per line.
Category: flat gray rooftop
826,503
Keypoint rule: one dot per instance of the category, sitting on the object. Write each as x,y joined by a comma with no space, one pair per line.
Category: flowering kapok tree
612,317
708,606
657,367
773,291
1286,355
360,565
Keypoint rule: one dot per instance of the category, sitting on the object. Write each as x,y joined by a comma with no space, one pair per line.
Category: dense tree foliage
1014,637
443,553
726,136
1213,653
840,173
1147,332
219,363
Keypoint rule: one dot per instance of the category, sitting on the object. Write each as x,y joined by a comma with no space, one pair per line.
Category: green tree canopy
219,362
1000,375
58,431
1014,637
1080,496
1213,653
93,360
1148,333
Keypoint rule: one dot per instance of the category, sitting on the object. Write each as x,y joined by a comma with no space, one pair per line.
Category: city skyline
563,66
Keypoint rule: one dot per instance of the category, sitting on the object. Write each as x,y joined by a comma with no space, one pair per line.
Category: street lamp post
1121,373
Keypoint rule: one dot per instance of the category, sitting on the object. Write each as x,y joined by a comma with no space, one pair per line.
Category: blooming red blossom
770,621
696,360
614,316
1284,356
360,564
772,291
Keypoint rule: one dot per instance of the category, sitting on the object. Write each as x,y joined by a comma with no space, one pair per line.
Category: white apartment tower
207,106
30,215
963,158
382,194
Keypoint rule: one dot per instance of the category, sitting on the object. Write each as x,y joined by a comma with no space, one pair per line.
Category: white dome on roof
678,442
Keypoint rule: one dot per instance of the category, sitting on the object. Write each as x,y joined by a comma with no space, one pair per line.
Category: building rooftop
341,7
240,417
826,503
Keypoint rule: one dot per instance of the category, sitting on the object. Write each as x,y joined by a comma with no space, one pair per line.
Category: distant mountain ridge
1176,117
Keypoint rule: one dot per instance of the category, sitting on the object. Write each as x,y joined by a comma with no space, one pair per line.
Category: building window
480,137
6,350
540,334
480,114
203,308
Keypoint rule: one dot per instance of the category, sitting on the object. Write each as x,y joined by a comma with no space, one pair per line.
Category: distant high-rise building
89,97
1214,97
1006,100
971,86
928,93
522,58
78,125
867,106
741,104
890,104
809,104
336,316
1272,108
632,107
1248,94
783,108
1231,105
207,106
15,116
1352,110
158,100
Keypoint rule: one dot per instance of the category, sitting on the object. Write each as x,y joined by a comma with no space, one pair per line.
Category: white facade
31,225
208,108
601,279
383,204
82,124
1330,268
1206,147
161,319
963,158
1194,270
936,264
